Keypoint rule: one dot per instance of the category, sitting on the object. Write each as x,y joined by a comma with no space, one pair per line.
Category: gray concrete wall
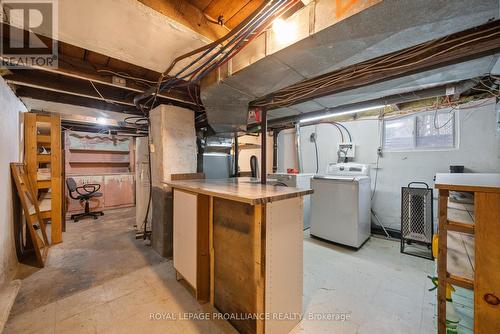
173,151
478,149
10,151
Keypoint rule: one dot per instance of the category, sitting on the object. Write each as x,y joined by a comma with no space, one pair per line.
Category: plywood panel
236,276
185,222
487,256
119,190
56,175
94,142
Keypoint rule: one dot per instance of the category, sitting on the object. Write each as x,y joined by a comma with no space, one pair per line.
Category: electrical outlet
349,148
380,153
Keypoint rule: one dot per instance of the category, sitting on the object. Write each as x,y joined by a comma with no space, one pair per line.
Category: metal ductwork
385,27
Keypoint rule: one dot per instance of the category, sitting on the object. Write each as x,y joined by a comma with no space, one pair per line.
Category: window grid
422,131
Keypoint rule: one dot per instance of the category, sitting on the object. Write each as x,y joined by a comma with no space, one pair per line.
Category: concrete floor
102,280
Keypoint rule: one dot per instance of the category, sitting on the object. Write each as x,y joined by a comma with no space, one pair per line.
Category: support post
263,146
275,150
236,156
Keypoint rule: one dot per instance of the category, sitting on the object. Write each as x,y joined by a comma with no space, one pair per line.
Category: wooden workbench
239,246
483,274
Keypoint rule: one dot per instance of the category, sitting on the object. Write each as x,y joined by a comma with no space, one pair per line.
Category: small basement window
421,131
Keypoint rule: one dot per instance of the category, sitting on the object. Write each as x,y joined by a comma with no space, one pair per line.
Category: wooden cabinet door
120,190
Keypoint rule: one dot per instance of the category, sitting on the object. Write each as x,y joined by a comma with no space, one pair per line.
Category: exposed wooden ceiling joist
188,15
74,86
38,93
79,70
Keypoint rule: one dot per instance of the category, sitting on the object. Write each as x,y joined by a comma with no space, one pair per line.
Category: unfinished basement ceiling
232,11
383,28
148,38
446,75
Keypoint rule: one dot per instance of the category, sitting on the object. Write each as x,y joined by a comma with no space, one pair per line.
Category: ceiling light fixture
102,121
348,112
284,31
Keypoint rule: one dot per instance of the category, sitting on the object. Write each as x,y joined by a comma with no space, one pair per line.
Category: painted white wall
10,151
147,37
478,151
246,154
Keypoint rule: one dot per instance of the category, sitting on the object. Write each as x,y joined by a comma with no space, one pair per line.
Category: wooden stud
30,144
56,189
211,247
460,227
442,259
260,259
487,256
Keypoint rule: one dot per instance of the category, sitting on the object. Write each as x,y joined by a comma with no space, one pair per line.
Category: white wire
102,97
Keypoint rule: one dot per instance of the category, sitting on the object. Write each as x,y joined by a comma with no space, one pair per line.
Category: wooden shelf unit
456,265
44,131
107,160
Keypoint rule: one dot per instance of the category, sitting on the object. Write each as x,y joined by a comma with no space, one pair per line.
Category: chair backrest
254,166
71,183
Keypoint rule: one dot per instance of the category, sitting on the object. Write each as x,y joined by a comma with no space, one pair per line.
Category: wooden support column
275,150
263,146
487,263
442,259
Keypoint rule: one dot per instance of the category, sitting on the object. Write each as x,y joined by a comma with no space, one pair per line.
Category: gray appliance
341,204
302,181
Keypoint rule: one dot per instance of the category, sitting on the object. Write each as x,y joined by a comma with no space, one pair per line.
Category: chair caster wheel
76,220
95,217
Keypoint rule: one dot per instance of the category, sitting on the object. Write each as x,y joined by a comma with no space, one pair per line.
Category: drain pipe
297,146
275,150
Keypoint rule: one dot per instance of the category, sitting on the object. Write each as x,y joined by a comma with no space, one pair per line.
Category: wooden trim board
487,267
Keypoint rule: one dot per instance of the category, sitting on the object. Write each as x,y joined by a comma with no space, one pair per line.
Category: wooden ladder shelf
42,155
478,272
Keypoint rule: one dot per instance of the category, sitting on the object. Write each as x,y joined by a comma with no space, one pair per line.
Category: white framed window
434,130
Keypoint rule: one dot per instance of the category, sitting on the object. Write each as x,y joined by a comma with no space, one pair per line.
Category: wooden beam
38,93
85,88
100,68
188,15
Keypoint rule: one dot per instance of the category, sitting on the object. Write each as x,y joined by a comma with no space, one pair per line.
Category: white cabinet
185,232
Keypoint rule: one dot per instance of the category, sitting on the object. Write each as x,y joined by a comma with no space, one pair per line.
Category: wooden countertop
243,189
480,182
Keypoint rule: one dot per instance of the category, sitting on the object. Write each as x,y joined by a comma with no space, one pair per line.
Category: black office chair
84,194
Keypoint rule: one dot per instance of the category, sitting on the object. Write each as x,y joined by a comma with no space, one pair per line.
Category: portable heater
417,220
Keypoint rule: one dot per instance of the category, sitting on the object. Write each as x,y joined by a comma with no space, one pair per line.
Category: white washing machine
302,180
341,204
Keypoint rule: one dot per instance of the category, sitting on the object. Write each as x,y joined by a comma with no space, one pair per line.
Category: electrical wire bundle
388,63
215,54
